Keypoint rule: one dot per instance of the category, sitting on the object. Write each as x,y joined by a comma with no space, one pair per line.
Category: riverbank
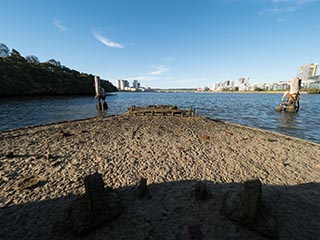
250,92
42,172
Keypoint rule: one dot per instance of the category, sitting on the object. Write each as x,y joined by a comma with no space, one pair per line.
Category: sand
44,176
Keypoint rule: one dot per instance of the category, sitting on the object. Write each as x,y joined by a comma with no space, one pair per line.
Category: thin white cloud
143,78
159,70
106,41
150,76
169,59
280,7
57,23
197,80
294,1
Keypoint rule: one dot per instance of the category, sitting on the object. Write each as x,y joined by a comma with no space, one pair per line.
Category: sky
168,43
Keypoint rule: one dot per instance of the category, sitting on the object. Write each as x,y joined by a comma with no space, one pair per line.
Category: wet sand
45,173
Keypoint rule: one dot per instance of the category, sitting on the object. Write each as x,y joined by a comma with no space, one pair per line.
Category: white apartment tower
307,71
122,84
244,84
135,84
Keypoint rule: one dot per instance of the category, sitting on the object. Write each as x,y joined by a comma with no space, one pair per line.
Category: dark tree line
27,76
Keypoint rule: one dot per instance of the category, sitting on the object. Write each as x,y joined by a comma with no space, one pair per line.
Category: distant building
307,71
281,86
260,87
122,84
203,89
313,82
244,84
217,86
223,86
136,84
125,86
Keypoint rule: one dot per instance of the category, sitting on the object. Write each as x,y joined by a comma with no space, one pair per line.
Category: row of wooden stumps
161,110
100,95
100,206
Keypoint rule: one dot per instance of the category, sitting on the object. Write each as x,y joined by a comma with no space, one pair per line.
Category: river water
255,110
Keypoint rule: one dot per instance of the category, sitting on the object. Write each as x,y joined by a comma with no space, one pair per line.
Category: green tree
314,91
15,53
19,76
4,50
32,59
54,62
258,89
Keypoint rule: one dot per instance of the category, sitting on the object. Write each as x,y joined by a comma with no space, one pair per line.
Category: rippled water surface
256,110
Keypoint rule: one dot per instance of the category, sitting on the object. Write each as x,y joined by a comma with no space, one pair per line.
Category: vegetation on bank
27,76
314,91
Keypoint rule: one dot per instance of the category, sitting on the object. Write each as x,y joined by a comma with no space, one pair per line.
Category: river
255,110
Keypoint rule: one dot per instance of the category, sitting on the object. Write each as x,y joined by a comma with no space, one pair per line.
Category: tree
4,50
15,53
258,89
32,59
54,62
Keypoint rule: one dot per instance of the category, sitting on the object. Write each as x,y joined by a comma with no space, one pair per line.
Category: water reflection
288,120
102,113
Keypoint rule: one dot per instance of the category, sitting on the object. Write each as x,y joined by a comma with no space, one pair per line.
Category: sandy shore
45,173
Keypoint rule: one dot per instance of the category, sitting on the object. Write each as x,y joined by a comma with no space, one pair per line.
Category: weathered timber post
100,94
200,191
95,194
97,85
250,201
290,100
246,208
295,85
143,190
97,207
243,208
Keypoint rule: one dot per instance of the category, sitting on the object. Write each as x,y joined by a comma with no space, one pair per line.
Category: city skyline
168,44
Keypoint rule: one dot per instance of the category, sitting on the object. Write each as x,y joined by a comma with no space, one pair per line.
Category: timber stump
97,207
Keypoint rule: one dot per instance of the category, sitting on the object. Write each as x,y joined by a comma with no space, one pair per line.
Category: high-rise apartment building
307,71
135,84
122,84
244,84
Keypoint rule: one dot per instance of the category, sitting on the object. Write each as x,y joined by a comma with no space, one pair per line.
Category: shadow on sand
170,212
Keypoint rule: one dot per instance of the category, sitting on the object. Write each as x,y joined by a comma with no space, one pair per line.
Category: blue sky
168,43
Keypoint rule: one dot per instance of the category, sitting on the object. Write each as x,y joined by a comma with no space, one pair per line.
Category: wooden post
247,208
290,100
97,86
293,105
98,207
295,85
250,201
143,188
100,94
95,193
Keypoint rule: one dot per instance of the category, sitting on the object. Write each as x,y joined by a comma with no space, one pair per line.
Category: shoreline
44,176
115,115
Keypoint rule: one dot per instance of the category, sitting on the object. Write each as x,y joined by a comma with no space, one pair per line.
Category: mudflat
42,171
